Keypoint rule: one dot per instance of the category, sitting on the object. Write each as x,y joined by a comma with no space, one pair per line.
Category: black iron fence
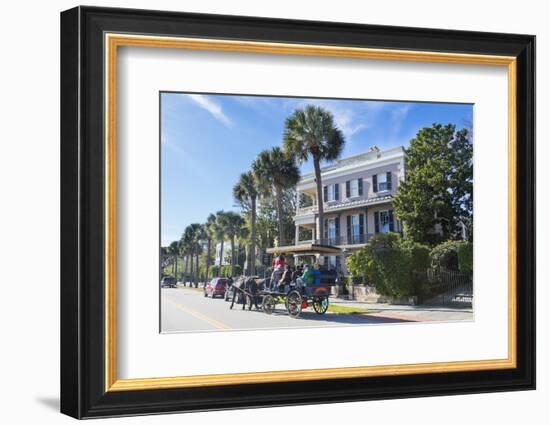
442,286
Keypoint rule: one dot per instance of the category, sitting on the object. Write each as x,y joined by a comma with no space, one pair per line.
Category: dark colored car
216,287
168,282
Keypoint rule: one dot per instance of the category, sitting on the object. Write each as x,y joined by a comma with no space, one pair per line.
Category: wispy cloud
348,117
398,115
166,141
212,107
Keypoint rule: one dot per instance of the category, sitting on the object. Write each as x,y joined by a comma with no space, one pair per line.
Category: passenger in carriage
307,277
297,273
285,279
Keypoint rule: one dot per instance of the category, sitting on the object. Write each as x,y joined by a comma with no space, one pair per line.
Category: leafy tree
466,258
436,195
311,132
245,192
276,172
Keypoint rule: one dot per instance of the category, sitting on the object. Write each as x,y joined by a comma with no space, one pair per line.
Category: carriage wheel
268,304
320,305
294,304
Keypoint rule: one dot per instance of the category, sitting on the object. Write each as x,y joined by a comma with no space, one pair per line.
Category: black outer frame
82,203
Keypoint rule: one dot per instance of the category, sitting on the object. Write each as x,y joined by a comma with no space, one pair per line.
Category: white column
297,235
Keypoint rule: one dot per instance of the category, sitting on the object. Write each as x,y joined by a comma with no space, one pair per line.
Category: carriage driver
278,265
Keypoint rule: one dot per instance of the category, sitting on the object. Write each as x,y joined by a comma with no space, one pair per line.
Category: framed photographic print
261,212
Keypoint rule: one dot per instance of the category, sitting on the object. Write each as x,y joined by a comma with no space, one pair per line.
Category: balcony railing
312,209
339,240
306,210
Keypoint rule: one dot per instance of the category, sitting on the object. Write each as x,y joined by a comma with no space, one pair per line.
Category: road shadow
341,318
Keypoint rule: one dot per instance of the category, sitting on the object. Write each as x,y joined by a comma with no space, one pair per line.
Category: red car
216,287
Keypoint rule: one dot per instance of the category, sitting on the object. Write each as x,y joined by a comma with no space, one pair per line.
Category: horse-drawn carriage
296,296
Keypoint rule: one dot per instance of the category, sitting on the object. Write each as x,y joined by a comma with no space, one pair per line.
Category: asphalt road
187,310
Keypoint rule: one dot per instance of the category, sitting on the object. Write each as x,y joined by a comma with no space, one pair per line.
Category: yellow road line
200,316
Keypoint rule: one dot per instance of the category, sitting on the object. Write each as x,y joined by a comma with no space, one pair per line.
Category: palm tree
199,236
189,242
312,132
234,222
210,231
276,172
220,231
243,238
173,249
245,192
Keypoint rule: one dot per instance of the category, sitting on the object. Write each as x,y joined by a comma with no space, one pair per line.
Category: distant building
226,253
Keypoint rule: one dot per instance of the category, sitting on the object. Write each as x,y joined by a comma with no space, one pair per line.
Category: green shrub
390,264
445,255
466,258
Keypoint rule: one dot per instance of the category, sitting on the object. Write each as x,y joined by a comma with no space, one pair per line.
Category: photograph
297,212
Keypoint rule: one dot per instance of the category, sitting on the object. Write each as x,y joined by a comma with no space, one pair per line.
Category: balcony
347,203
339,240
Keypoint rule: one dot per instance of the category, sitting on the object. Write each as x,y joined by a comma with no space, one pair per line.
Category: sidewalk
415,313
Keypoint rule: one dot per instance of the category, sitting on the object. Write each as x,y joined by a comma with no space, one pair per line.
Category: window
353,188
383,221
355,226
382,182
331,192
332,229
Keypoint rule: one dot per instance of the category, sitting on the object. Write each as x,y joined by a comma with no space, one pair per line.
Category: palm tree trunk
252,266
320,223
192,275
176,272
246,259
208,258
186,264
279,196
197,271
232,255
221,255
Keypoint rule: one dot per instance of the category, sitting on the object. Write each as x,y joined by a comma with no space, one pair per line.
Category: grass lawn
346,310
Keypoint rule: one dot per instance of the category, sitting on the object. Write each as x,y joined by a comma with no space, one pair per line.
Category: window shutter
361,224
376,222
360,185
390,214
348,190
336,192
337,226
375,183
388,179
325,193
326,229
348,227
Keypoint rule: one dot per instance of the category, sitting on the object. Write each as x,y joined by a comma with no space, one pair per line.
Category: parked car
216,287
168,282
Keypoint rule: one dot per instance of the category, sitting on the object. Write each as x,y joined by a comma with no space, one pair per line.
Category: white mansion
358,193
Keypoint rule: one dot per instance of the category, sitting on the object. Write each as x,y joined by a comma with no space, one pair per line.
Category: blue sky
207,141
